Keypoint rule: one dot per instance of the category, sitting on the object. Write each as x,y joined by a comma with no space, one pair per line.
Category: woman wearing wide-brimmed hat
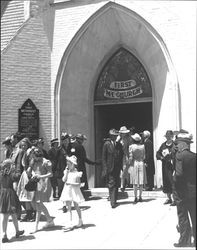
165,154
136,161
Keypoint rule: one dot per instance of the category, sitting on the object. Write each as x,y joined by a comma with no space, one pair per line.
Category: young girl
41,168
71,191
9,202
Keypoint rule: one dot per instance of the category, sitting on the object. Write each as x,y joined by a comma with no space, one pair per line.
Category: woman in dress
41,169
24,196
166,155
136,160
71,191
9,202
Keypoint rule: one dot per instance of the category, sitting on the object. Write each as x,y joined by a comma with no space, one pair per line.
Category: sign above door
123,77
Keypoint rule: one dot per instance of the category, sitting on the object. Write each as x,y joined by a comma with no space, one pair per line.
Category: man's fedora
184,137
124,130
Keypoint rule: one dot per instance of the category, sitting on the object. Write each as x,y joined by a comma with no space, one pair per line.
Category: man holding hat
185,189
112,160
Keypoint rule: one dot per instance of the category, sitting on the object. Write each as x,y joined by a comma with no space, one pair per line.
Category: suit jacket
185,173
112,157
149,160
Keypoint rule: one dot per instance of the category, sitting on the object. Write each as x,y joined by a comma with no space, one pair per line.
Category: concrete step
103,192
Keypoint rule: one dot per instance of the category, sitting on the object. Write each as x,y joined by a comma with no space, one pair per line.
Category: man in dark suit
149,160
77,149
185,190
112,161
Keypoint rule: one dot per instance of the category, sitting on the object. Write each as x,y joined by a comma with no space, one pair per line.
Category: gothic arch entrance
76,109
123,97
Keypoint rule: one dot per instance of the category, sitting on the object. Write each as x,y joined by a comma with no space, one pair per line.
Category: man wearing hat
79,151
149,160
112,160
185,189
125,141
52,154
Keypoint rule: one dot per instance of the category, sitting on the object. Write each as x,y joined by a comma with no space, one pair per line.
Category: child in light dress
71,191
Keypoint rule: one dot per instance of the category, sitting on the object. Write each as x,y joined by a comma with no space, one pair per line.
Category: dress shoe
168,201
122,189
179,244
114,205
5,239
173,204
64,209
19,233
140,199
135,200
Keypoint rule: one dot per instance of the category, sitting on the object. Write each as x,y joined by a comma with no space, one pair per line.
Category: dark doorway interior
138,115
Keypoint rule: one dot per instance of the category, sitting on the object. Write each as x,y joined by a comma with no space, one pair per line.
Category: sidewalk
146,225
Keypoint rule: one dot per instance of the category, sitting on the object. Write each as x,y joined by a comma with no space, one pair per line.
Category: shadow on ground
84,226
22,238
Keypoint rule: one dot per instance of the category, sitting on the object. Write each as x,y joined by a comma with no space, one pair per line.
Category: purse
32,184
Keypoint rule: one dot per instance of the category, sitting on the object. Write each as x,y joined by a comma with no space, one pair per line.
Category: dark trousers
186,208
54,185
60,185
150,178
184,223
113,183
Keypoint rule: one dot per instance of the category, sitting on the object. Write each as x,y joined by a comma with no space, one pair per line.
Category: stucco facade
56,56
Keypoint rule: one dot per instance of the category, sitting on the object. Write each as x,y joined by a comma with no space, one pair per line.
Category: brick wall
25,73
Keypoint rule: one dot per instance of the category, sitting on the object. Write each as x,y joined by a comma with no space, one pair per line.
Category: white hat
136,137
72,159
146,133
124,130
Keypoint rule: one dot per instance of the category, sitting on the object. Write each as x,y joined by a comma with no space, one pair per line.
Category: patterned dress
136,158
44,189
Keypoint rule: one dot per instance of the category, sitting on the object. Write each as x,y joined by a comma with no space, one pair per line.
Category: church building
85,66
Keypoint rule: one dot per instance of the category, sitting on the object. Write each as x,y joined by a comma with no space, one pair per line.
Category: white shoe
49,224
80,224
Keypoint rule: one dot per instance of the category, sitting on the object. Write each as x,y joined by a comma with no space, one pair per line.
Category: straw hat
136,137
124,130
72,159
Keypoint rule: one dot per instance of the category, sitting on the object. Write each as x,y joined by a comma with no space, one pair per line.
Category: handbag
32,184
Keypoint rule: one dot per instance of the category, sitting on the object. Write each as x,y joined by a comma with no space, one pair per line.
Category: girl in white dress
71,191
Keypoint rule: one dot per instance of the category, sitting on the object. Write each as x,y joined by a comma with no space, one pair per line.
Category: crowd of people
127,159
127,152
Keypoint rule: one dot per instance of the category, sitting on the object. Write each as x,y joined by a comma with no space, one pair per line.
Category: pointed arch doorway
76,108
123,97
